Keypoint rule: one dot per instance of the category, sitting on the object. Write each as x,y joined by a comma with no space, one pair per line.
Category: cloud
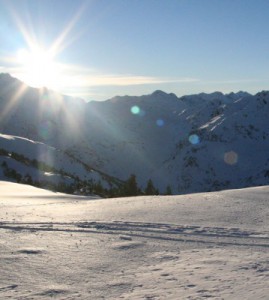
78,77
127,80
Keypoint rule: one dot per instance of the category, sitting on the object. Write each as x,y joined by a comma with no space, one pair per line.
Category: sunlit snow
197,246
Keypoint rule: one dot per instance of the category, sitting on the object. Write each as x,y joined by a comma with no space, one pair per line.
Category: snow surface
196,246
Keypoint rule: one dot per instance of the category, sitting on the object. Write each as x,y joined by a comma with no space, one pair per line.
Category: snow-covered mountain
193,143
26,161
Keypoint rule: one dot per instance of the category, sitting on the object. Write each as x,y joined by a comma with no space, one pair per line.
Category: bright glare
38,68
135,109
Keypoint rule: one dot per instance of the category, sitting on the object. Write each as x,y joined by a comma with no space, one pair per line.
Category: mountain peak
238,95
161,94
7,80
6,77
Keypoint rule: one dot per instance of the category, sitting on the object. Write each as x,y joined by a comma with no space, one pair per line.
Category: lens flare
194,139
160,122
46,130
231,158
135,110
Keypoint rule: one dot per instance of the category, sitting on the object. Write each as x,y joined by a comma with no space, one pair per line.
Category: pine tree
28,179
130,187
168,190
150,189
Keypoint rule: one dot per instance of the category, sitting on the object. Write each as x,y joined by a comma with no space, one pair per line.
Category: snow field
198,246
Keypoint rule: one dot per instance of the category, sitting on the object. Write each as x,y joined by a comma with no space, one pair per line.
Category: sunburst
38,67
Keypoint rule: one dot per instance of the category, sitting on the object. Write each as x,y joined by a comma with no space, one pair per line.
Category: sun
38,67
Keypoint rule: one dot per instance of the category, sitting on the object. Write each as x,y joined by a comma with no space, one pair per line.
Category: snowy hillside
196,246
24,160
194,143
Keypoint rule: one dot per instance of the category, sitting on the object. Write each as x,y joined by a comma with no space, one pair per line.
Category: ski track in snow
181,233
50,249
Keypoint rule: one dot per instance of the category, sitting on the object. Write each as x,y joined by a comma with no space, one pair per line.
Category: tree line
83,187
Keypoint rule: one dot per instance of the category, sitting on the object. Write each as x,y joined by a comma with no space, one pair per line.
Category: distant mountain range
193,143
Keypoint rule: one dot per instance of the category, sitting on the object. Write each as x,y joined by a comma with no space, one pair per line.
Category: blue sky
102,48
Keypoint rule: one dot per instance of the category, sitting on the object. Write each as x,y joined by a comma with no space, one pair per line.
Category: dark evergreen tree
130,188
150,189
28,179
98,188
168,190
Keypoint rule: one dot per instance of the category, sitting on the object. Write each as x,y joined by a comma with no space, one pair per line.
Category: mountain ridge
192,143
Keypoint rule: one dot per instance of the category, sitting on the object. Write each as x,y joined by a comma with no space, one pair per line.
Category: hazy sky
101,48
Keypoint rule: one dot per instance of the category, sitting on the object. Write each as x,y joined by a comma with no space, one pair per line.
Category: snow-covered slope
196,246
24,160
194,143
